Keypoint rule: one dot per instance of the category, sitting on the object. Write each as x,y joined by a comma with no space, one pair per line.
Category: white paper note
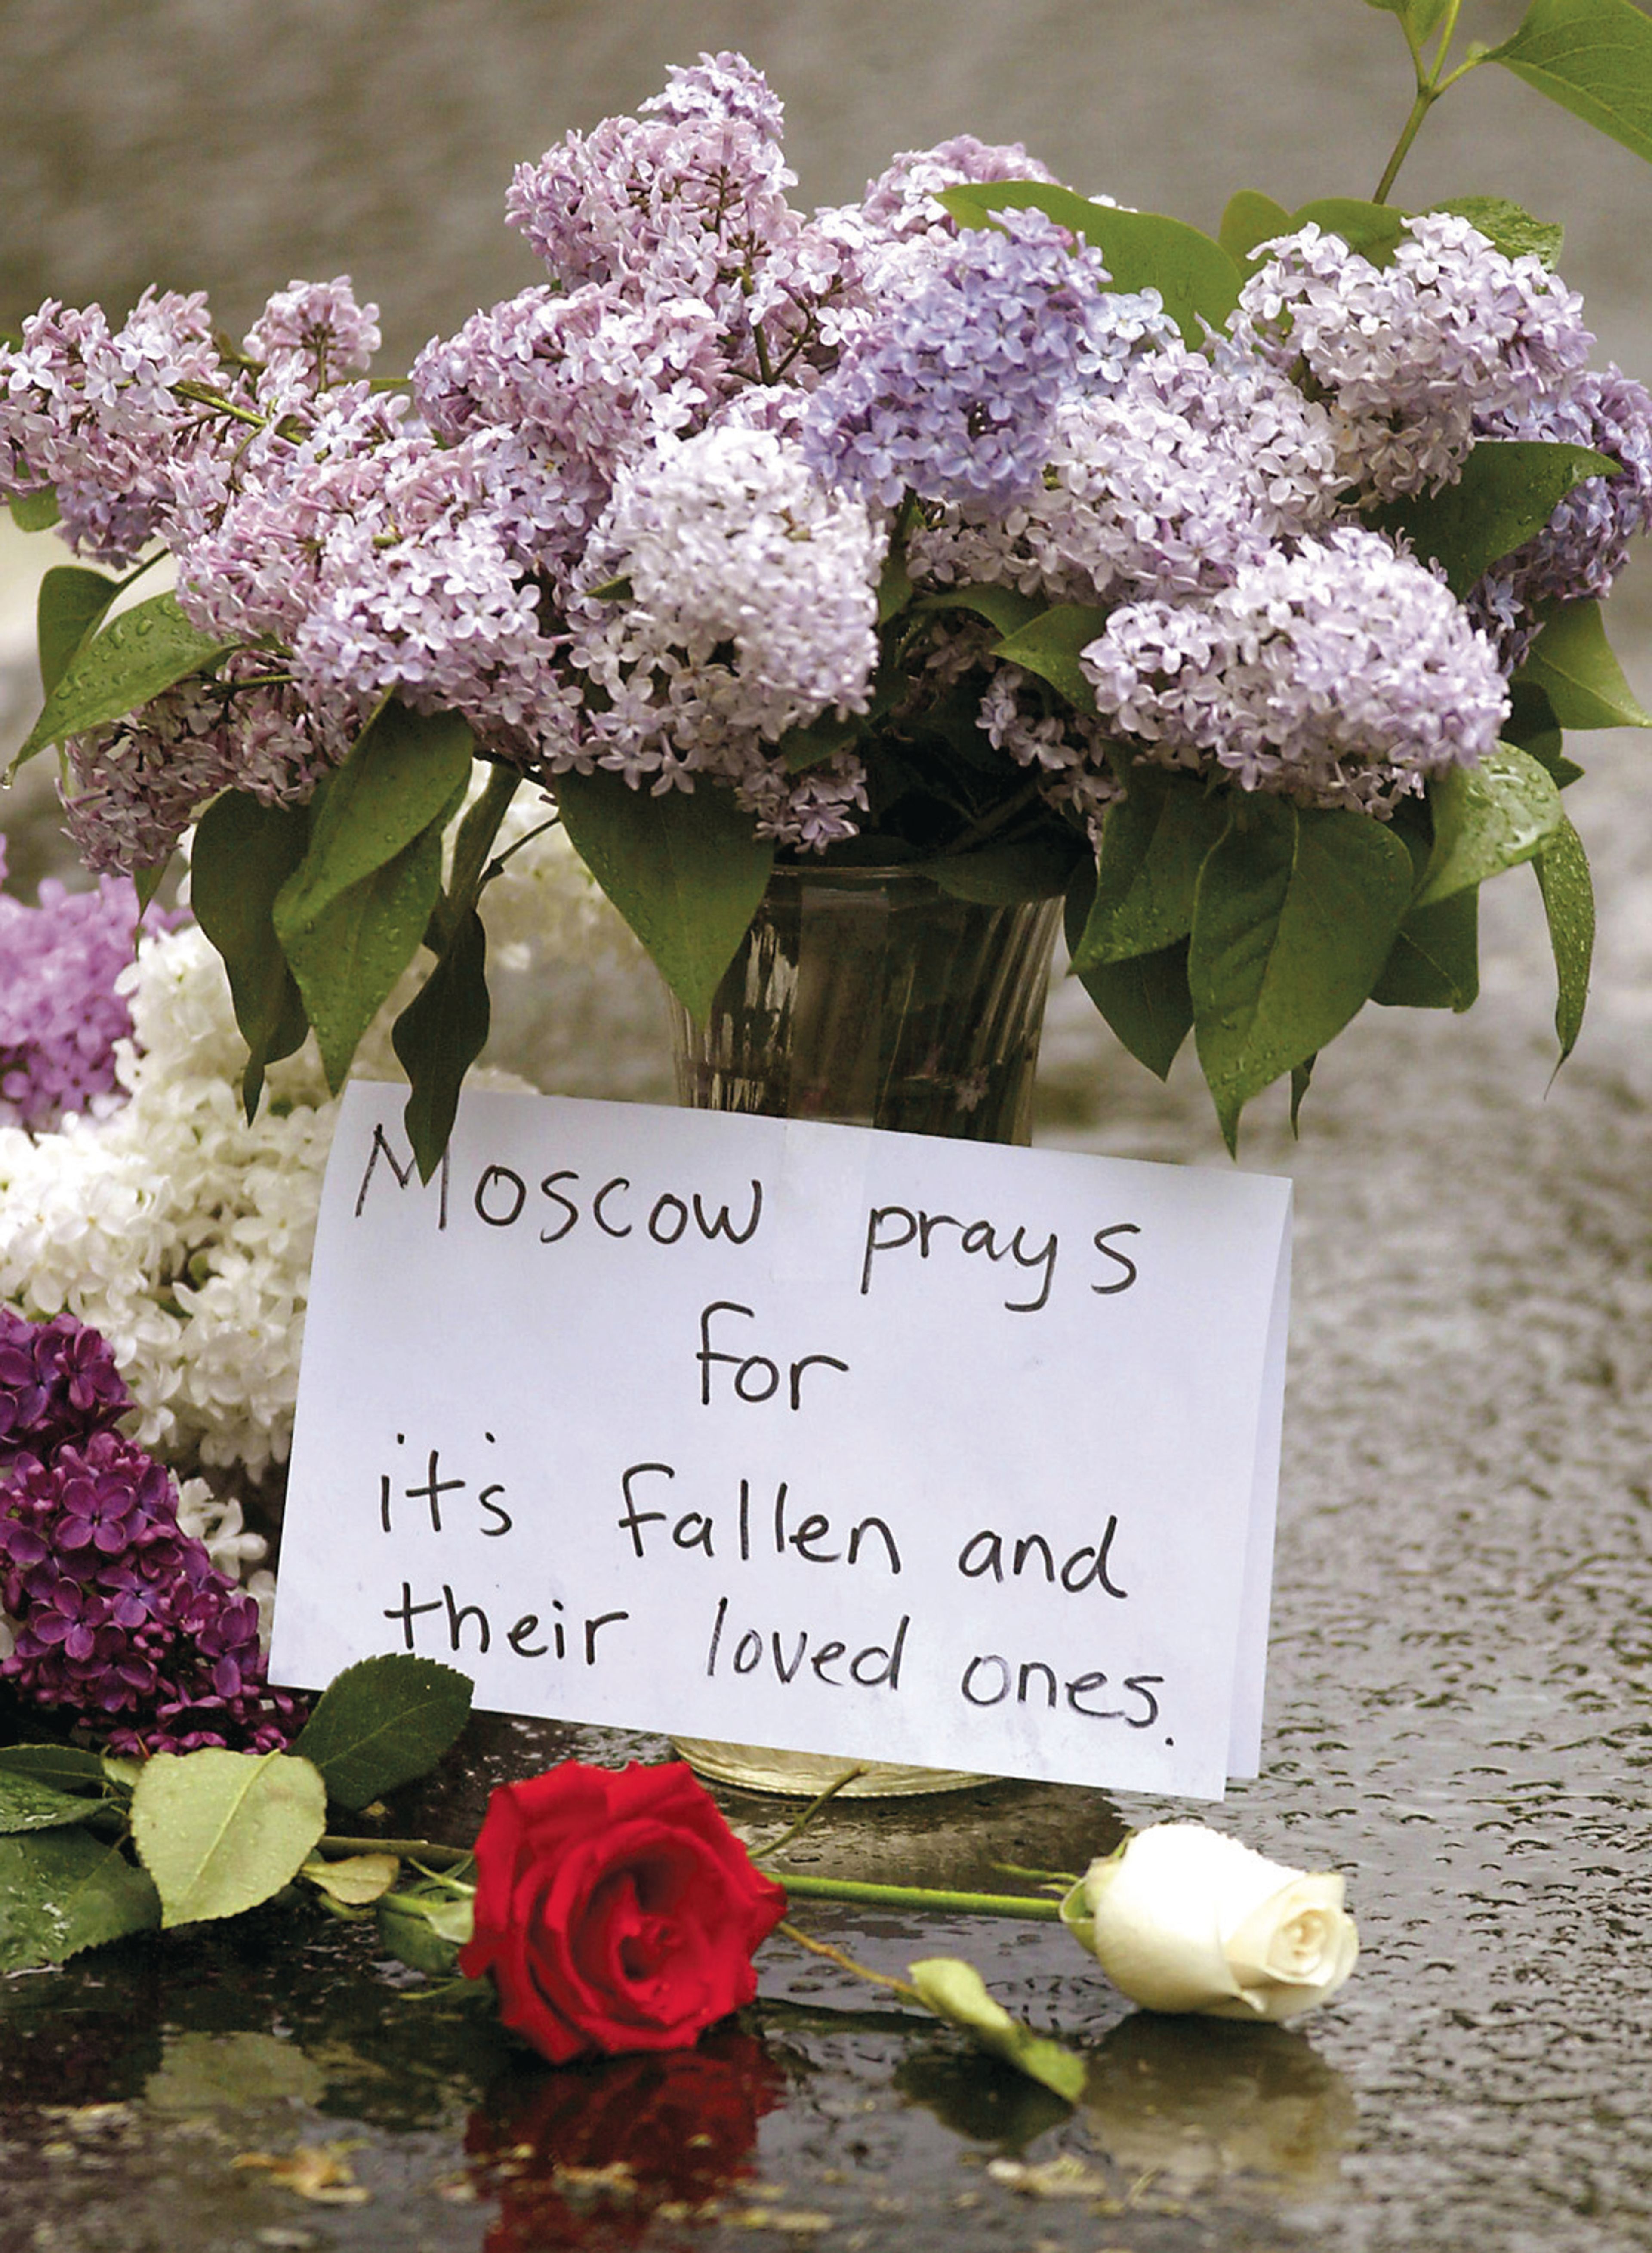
873,1445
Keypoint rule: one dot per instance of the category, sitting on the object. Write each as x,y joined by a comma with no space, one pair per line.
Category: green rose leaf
1435,960
244,854
1049,646
1154,843
1193,273
61,1891
685,870
28,1804
1508,490
1487,818
71,604
220,1831
381,1723
956,1991
1295,916
1568,900
36,511
1573,662
139,654
1252,218
439,1035
65,1768
413,1933
1593,56
1507,227
355,1881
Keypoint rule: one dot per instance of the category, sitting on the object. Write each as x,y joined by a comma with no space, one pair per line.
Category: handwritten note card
858,1443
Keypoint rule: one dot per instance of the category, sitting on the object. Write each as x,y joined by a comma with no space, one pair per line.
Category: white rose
1183,1919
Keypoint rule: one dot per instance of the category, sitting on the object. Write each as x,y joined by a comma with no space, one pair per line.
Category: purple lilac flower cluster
121,1621
61,1015
645,516
1343,673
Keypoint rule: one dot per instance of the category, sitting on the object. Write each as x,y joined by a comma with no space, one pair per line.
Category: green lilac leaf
1487,818
347,956
1574,664
1036,867
1301,1080
220,1831
28,1804
1003,607
1421,15
1252,218
71,604
244,852
138,655
1434,963
1568,900
1593,56
1195,277
36,511
686,871
439,1035
1509,227
1050,644
1146,1003
1508,490
1375,231
956,1991
401,775
382,1722
1153,845
803,748
61,1891
894,586
1295,916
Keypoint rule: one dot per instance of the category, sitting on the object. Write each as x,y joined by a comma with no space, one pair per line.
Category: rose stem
918,1897
419,1850
847,1964
801,1823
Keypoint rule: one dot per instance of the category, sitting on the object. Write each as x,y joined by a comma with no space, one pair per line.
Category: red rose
615,1909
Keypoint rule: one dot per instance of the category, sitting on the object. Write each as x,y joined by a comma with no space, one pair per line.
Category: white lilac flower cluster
183,1234
640,518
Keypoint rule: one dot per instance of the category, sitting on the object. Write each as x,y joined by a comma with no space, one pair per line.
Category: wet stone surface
1460,1690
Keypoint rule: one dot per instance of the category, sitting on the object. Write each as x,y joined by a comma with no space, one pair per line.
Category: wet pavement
1459,1711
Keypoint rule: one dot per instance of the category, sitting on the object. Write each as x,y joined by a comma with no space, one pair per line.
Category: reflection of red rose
615,1909
591,2153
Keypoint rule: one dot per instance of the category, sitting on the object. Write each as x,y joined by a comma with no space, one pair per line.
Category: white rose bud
1183,1919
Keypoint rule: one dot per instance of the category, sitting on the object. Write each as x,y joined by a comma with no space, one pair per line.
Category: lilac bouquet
1237,590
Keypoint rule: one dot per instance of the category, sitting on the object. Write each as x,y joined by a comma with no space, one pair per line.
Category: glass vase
871,997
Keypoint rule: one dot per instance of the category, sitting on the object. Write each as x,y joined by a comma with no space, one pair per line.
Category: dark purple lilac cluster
120,1620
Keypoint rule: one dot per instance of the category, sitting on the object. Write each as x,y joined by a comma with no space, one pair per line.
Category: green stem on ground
410,1850
846,1963
801,1823
805,1888
920,1897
